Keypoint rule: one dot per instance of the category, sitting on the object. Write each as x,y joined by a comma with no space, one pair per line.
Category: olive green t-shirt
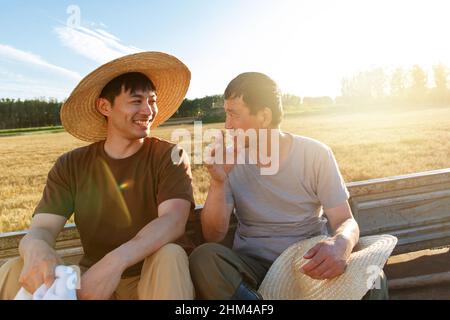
113,199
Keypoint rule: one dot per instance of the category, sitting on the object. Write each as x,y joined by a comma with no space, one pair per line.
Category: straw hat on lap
285,281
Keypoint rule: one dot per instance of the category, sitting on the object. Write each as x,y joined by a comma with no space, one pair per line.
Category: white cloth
63,288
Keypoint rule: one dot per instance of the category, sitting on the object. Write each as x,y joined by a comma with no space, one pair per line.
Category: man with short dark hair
305,195
131,201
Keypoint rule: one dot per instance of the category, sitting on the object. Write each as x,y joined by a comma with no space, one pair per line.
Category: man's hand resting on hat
327,259
101,280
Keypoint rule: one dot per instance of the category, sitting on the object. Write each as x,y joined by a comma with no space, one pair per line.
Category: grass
367,144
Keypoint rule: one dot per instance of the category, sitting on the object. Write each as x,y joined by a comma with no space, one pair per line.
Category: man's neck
120,148
278,147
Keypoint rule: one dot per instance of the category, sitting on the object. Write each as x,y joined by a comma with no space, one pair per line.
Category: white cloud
24,90
14,54
16,85
97,45
21,81
107,34
11,76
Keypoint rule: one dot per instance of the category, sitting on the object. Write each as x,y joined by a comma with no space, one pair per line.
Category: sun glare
308,47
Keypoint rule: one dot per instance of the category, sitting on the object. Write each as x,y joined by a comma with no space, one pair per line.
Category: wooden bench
415,208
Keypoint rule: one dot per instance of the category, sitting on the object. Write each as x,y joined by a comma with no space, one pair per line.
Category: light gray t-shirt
275,211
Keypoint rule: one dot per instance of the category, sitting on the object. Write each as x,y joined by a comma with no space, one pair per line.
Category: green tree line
29,113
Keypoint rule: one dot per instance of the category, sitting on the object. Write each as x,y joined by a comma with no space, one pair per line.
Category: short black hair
133,81
258,91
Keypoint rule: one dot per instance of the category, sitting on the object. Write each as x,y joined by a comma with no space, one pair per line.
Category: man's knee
204,256
9,278
213,263
207,251
13,265
169,252
210,272
165,275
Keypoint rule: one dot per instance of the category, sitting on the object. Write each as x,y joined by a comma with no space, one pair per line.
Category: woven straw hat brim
169,75
285,281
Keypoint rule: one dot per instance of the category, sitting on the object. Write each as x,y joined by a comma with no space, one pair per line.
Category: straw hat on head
170,76
285,281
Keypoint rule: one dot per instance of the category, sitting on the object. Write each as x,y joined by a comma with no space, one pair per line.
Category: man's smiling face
132,114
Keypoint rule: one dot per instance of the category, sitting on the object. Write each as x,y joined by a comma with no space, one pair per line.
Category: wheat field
367,144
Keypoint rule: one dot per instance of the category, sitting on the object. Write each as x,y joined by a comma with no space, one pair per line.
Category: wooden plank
10,240
402,182
71,253
394,201
418,281
415,208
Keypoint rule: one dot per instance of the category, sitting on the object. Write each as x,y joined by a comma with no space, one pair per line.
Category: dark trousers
217,271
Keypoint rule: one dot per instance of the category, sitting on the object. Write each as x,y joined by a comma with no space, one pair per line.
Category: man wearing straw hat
130,200
276,213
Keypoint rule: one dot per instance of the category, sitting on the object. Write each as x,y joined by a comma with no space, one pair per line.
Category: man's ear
265,117
103,106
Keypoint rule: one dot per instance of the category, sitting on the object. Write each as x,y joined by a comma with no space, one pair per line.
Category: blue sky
306,46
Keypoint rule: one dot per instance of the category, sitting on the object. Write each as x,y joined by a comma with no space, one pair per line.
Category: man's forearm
215,214
347,234
153,236
34,237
